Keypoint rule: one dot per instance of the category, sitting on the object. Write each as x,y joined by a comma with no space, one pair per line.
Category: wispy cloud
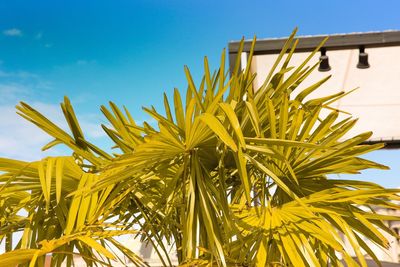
21,139
81,62
19,85
85,62
39,36
18,74
13,32
9,91
18,138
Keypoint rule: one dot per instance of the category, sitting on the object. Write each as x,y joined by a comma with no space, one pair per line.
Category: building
368,61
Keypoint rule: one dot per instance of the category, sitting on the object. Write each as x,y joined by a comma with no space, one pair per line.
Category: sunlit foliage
230,175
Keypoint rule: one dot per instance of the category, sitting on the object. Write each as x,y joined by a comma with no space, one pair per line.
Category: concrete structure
377,101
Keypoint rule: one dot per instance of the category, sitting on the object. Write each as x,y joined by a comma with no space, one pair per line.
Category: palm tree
232,175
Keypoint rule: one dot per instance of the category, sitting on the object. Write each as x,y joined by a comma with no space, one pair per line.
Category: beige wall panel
377,101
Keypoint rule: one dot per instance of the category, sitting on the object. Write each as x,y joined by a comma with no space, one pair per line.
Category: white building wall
377,101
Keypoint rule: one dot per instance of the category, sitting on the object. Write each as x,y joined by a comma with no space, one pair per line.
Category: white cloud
13,32
18,74
20,139
23,140
8,91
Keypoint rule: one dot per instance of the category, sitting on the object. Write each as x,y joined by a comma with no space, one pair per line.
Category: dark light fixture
324,61
362,59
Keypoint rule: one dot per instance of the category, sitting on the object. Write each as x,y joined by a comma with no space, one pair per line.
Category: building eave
335,42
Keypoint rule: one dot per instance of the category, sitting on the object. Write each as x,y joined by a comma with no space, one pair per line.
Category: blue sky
132,51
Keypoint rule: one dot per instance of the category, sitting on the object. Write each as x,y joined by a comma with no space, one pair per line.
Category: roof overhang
335,42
